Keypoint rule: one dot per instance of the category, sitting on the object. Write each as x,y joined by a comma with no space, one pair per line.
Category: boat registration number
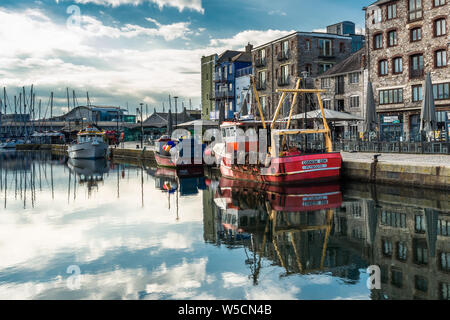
314,203
319,161
317,166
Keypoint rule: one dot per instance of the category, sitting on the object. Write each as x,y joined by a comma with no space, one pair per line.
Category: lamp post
176,111
142,125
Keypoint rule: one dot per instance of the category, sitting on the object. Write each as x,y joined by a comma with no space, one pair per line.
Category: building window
416,34
421,283
393,219
308,45
441,91
263,101
415,10
326,103
440,58
397,278
325,47
420,224
378,41
341,47
262,80
325,83
443,228
391,96
444,291
420,251
416,66
417,93
308,69
285,74
387,248
402,250
445,261
354,102
392,38
383,67
353,78
377,16
438,3
323,67
392,11
440,27
398,65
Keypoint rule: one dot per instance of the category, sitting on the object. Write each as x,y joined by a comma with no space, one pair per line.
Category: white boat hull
10,145
88,150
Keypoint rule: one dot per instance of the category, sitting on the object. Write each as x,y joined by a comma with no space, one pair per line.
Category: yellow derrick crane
285,132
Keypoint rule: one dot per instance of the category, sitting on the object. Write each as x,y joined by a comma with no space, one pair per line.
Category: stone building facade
278,64
406,40
208,67
345,88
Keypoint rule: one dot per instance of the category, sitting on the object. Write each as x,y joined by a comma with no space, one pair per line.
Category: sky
127,52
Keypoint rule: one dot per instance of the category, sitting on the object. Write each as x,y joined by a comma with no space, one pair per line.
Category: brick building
277,64
346,85
406,39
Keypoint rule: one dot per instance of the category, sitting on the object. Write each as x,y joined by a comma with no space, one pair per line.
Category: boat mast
39,115
25,131
51,111
15,113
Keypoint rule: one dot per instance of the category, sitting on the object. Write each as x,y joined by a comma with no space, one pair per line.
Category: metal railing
392,147
260,62
283,55
283,81
244,72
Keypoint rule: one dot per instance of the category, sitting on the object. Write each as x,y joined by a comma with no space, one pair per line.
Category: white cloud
180,281
232,280
105,60
194,5
277,12
270,290
323,30
255,37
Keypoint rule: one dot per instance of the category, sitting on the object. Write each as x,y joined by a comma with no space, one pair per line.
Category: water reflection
147,233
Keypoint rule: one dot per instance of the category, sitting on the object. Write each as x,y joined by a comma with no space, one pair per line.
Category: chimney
249,48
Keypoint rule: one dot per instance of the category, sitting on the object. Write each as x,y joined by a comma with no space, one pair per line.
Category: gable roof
243,57
160,119
351,64
227,55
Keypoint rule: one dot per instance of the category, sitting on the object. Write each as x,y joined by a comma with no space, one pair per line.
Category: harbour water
102,230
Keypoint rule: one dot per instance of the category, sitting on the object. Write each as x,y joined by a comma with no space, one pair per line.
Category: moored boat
179,153
90,144
286,161
11,144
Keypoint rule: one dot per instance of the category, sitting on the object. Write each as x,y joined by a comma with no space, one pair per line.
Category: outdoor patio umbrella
330,115
200,122
371,119
244,110
428,113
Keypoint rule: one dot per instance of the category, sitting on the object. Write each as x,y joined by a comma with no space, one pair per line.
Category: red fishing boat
286,161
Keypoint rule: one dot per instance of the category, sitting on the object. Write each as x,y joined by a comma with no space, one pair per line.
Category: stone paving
418,159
